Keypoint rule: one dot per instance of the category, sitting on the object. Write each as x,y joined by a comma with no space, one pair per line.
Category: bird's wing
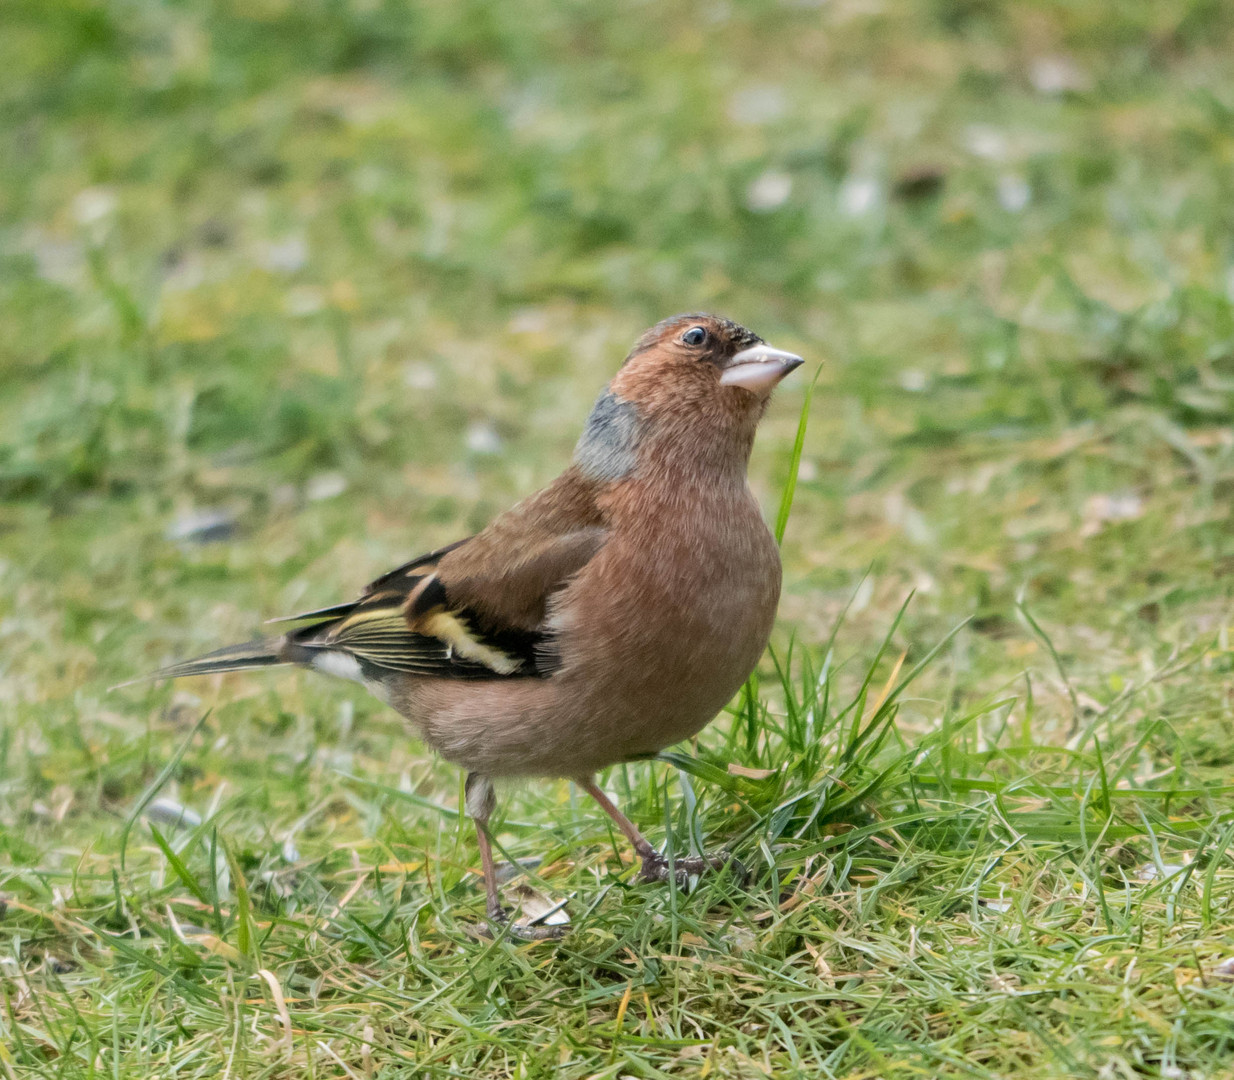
476,609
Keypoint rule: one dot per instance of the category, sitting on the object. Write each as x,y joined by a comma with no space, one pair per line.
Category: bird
605,617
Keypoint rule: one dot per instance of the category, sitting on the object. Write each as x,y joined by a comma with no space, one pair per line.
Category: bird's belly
618,697
643,666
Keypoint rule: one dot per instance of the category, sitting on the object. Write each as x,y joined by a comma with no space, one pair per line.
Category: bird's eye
696,335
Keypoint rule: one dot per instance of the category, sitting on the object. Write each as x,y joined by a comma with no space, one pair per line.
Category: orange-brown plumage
604,618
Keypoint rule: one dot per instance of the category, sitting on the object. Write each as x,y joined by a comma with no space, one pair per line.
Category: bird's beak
759,368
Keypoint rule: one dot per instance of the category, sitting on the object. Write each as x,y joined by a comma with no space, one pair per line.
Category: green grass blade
177,864
794,465
164,775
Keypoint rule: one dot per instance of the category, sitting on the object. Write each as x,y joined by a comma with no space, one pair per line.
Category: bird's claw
656,867
499,925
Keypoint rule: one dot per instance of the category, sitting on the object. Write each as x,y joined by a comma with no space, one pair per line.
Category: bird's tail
267,652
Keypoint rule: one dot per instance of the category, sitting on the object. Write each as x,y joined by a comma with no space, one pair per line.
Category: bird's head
692,388
708,354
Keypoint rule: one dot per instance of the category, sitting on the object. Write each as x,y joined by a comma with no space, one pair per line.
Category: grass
291,291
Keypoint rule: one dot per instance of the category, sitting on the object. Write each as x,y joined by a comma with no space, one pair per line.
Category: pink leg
640,842
655,867
481,801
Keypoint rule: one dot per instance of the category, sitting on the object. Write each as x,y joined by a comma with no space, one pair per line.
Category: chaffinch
597,621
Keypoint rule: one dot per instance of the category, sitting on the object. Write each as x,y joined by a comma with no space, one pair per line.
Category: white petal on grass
757,105
170,812
1116,506
914,380
201,527
1122,506
769,191
860,195
482,438
1013,193
285,255
863,595
536,908
420,376
1056,74
93,204
986,142
61,262
326,485
999,906
1151,872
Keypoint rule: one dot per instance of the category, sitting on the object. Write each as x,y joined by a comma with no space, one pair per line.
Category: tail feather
252,654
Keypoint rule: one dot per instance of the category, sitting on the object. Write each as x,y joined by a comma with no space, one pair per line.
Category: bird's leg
655,866
481,800
641,844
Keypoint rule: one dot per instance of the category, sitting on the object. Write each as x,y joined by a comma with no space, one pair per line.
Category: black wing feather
375,630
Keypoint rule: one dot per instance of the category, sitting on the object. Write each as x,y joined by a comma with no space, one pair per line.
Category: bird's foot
690,868
500,925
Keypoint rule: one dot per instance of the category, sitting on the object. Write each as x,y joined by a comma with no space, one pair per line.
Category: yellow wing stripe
454,632
382,634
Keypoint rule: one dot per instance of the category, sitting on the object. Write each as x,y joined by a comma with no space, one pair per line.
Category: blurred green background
291,290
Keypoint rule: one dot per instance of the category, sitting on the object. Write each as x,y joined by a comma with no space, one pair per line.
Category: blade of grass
794,465
164,775
246,936
177,865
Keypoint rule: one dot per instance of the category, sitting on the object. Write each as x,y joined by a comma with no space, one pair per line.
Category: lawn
291,290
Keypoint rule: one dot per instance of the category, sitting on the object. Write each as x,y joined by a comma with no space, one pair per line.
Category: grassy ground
346,276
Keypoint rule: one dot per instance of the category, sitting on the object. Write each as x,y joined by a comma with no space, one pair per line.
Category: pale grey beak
759,368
